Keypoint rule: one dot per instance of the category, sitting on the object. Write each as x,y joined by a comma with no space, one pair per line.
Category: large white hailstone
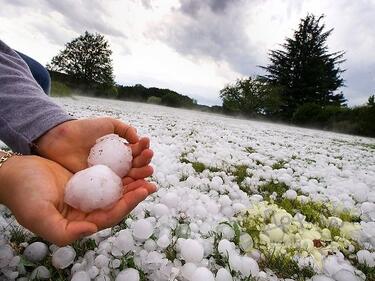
142,229
129,274
202,274
225,247
101,261
170,200
40,273
164,241
249,267
235,262
112,152
290,194
160,210
6,255
321,278
36,252
123,243
191,250
223,275
81,276
63,257
346,275
97,187
188,270
246,242
365,257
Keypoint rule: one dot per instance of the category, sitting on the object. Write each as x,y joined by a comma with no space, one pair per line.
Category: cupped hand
33,189
69,144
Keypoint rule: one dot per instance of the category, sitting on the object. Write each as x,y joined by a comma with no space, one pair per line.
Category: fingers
140,173
151,188
123,207
143,159
125,131
58,230
137,148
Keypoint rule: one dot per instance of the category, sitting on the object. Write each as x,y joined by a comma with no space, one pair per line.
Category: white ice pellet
123,243
163,241
160,210
142,229
112,152
101,261
345,275
290,194
188,270
321,278
202,274
170,200
150,245
191,250
63,257
223,275
249,267
6,255
36,252
225,247
235,262
246,242
102,277
93,272
80,276
115,263
40,273
365,257
129,274
97,187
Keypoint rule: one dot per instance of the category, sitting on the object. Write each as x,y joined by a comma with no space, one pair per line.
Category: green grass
368,271
278,165
59,89
84,245
270,187
199,167
250,150
240,173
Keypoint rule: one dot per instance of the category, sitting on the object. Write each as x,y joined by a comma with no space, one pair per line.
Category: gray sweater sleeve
26,112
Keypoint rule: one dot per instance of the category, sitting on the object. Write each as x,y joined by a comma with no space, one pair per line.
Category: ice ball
40,273
111,151
97,187
191,250
63,257
202,274
36,252
142,229
129,274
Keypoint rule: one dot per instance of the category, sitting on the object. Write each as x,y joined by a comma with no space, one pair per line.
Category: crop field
237,200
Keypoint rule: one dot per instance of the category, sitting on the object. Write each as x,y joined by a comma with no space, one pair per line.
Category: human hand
33,189
69,144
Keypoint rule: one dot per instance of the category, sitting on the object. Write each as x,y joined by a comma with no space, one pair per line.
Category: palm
69,144
48,216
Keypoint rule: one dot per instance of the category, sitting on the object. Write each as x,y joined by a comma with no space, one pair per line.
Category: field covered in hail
237,200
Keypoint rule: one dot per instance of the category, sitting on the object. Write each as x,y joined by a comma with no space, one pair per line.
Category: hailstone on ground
97,187
112,151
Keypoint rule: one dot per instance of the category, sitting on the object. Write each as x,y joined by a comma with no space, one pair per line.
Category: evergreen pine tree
304,70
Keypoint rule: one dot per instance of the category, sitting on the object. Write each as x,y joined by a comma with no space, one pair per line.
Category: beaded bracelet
7,155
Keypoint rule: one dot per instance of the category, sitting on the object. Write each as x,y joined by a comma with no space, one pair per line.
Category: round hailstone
160,210
81,276
246,242
290,194
225,247
142,229
170,199
36,252
321,278
6,255
191,250
346,275
249,267
223,275
129,274
40,273
188,270
112,152
97,187
202,274
63,257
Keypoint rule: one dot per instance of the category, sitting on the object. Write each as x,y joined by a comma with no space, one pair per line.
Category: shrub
154,100
59,89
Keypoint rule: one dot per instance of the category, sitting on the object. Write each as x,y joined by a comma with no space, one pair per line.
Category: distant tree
371,101
87,58
250,97
304,70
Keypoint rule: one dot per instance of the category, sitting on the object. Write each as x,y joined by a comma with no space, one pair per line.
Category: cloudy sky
194,47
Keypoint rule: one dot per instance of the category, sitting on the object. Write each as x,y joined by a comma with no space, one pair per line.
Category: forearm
26,112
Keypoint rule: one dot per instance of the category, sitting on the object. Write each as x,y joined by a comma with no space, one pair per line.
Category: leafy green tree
250,97
87,58
304,70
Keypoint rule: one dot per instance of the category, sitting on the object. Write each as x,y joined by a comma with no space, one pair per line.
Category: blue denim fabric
39,73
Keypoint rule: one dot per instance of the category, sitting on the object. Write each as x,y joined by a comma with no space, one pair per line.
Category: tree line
300,86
